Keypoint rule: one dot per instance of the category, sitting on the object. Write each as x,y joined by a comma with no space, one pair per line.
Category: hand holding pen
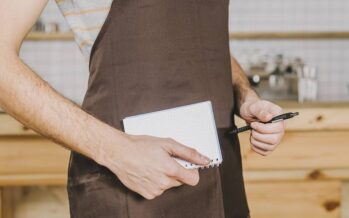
265,136
276,119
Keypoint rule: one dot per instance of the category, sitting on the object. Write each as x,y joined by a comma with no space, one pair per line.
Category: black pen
276,119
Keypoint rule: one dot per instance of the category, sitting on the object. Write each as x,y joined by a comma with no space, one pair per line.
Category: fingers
186,176
268,128
178,172
270,139
175,183
183,152
265,137
151,190
260,147
264,144
164,185
260,151
259,110
151,193
146,189
264,111
154,170
159,187
168,182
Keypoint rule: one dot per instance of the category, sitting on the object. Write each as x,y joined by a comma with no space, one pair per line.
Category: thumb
186,153
264,116
261,112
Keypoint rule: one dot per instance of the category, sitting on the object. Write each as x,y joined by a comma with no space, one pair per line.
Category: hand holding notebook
192,125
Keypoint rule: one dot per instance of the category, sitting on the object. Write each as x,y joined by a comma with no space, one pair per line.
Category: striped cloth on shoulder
85,18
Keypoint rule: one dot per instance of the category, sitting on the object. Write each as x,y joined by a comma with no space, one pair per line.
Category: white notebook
192,125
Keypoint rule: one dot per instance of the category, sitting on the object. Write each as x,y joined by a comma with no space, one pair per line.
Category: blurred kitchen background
270,38
295,52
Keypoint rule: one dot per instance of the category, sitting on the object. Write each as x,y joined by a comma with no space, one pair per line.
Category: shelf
36,36
288,35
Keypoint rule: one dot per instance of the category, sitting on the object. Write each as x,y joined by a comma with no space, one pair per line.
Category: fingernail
204,158
254,125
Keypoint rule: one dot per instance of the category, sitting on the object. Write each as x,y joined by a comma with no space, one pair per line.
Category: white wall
330,57
62,65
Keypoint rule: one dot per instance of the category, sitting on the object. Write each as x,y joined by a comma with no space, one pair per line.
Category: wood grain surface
294,199
301,150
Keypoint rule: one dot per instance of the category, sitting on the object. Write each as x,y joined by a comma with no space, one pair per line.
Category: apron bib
152,55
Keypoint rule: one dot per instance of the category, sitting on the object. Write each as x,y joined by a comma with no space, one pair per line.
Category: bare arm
242,89
24,95
30,99
264,137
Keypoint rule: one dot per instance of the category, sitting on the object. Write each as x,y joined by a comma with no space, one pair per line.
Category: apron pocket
98,196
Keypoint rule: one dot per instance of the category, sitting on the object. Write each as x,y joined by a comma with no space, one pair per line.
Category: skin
264,138
151,170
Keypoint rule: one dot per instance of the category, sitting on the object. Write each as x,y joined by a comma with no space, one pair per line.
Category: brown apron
152,55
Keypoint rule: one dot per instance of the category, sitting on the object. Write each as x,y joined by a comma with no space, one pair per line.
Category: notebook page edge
169,109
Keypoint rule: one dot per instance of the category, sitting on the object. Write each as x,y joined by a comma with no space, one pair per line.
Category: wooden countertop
313,116
308,171
320,132
295,104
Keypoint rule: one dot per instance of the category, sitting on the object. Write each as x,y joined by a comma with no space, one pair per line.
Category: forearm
264,137
243,92
34,103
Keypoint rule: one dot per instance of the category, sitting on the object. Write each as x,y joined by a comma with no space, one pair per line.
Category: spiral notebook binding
214,163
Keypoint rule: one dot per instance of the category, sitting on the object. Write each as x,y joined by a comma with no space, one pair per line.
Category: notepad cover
192,125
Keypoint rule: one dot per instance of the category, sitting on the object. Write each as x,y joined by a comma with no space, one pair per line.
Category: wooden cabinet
287,199
31,168
28,159
0,203
305,177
